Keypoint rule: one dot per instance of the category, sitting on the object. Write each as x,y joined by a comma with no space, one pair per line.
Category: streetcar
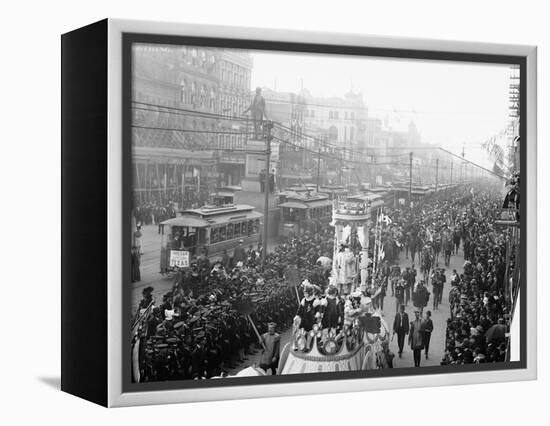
333,192
209,230
302,212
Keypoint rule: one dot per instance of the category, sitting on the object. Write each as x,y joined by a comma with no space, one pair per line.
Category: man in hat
271,342
416,337
401,327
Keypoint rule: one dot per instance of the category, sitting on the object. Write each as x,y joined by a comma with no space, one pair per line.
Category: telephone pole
410,177
318,165
451,172
463,167
268,126
436,172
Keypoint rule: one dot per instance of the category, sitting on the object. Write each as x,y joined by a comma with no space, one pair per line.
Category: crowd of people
161,207
479,304
214,315
210,321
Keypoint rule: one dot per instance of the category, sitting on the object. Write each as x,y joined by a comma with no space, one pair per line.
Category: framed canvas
253,213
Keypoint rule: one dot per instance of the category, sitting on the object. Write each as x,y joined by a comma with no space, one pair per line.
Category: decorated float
341,330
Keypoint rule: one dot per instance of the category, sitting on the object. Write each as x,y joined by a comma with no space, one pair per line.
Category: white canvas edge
114,217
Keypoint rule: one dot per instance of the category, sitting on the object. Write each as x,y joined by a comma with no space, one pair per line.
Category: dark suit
401,328
416,339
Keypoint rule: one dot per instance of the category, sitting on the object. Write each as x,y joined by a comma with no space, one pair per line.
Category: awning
293,205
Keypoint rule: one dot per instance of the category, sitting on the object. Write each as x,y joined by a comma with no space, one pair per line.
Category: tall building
189,89
344,119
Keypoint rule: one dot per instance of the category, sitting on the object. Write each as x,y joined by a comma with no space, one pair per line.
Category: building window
336,115
330,115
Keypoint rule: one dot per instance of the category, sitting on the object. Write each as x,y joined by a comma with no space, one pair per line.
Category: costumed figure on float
341,330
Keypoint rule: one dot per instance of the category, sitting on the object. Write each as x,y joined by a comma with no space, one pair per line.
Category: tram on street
209,231
302,212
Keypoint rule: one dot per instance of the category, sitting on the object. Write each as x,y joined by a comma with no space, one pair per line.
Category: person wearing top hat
271,341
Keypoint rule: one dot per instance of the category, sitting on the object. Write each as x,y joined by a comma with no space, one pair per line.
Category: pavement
150,266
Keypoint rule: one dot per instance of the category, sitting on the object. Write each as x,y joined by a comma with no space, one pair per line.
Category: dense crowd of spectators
201,328
479,303
159,208
204,326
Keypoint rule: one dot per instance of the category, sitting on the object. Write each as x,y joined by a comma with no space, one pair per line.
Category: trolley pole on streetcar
268,126
410,177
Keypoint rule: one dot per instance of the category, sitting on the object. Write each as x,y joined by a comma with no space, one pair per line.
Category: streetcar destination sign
179,258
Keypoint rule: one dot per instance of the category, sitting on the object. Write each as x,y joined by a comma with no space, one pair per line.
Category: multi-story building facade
198,91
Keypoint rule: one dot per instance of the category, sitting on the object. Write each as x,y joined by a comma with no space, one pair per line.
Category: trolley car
304,212
209,231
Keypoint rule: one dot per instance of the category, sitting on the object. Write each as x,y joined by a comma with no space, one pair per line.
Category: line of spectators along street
479,310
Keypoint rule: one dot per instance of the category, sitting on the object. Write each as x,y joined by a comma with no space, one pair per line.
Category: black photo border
128,39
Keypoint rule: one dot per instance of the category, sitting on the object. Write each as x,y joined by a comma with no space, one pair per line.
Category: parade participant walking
271,341
416,337
436,288
399,293
420,296
442,281
401,327
428,328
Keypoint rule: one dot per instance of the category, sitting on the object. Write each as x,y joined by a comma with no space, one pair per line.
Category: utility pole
451,172
436,172
410,177
268,126
318,165
463,167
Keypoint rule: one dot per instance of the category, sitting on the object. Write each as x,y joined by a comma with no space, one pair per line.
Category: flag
381,253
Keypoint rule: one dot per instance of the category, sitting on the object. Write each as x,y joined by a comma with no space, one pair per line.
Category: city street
224,159
439,318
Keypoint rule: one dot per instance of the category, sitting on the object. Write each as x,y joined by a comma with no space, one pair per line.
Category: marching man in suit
401,327
416,337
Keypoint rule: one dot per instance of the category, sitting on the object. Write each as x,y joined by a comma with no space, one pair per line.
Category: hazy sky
452,104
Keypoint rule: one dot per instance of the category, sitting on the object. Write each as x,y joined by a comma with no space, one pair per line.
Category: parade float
342,331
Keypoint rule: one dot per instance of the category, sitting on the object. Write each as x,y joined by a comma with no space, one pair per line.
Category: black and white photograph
298,213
